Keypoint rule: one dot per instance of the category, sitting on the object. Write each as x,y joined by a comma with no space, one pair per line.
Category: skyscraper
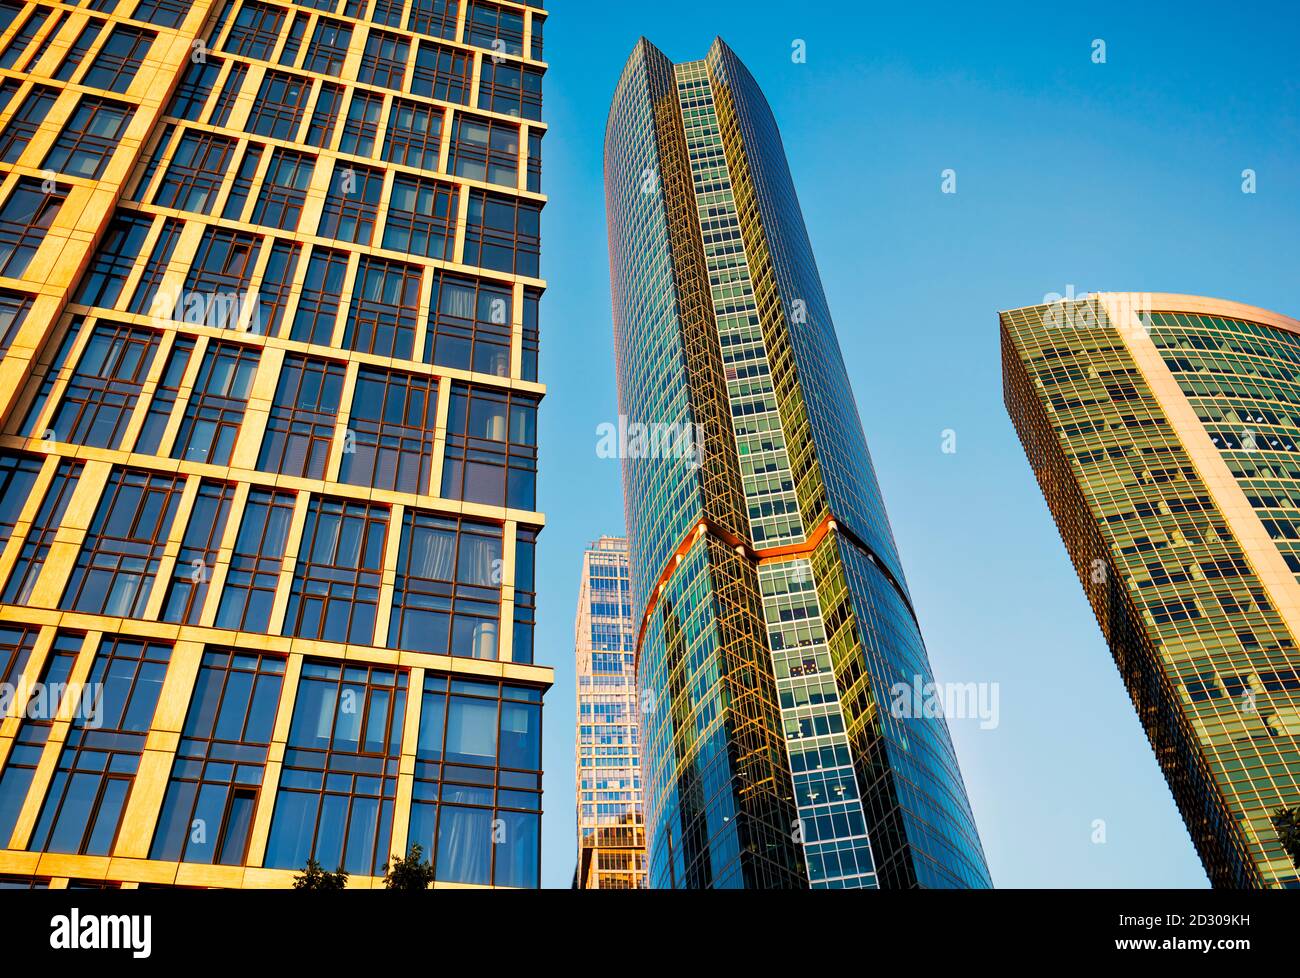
611,823
772,616
268,450
1164,432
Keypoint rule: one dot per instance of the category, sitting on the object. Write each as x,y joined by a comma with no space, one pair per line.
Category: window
293,43
495,28
385,308
329,46
510,89
362,125
436,18
528,370
220,760
24,219
277,285
392,422
119,59
491,454
470,325
300,427
118,252
447,598
339,780
216,286
280,104
326,115
115,570
88,139
421,217
29,115
164,396
414,132
102,392
14,307
146,290
442,73
198,553
534,161
336,583
525,595
96,768
318,307
216,408
24,36
195,88
36,545
229,93
539,27
198,168
255,31
284,191
50,377
242,186
388,12
485,149
352,203
383,62
254,570
164,13
17,476
503,234
478,768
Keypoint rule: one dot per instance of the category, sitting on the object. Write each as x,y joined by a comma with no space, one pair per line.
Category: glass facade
1163,432
268,439
611,819
770,609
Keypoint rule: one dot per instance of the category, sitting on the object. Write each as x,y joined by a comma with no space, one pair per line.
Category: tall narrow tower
771,612
1164,432
611,823
268,313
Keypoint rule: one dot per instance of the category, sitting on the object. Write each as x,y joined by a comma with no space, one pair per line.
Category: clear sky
1123,176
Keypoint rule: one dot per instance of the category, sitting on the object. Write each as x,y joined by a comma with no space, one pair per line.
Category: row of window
446,598
477,794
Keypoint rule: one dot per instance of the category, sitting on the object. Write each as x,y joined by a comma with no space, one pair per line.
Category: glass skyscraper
611,823
1164,431
771,613
269,287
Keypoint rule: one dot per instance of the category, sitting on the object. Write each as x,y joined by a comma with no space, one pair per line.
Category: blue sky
1105,177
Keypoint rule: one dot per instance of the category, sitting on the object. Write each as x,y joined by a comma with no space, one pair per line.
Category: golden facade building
1164,431
611,819
269,286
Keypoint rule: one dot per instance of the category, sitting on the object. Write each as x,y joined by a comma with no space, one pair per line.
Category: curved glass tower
772,616
1163,430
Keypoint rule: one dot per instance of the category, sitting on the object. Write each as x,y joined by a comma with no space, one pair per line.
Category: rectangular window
491,453
447,598
525,595
300,427
102,392
392,421
437,18
219,279
120,58
198,168
277,285
14,307
470,325
17,476
118,561
534,161
242,186
318,307
336,583
229,93
441,72
498,29
510,89
326,115
24,219
146,290
87,140
27,118
383,62
164,396
388,12
421,218
339,780
164,13
532,334
385,308
284,191
414,132
87,795
539,28
198,553
16,644
254,571
280,105
195,89
255,31
362,124
503,233
293,43
220,760
117,254
24,36
36,545
352,203
329,46
485,149
216,407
